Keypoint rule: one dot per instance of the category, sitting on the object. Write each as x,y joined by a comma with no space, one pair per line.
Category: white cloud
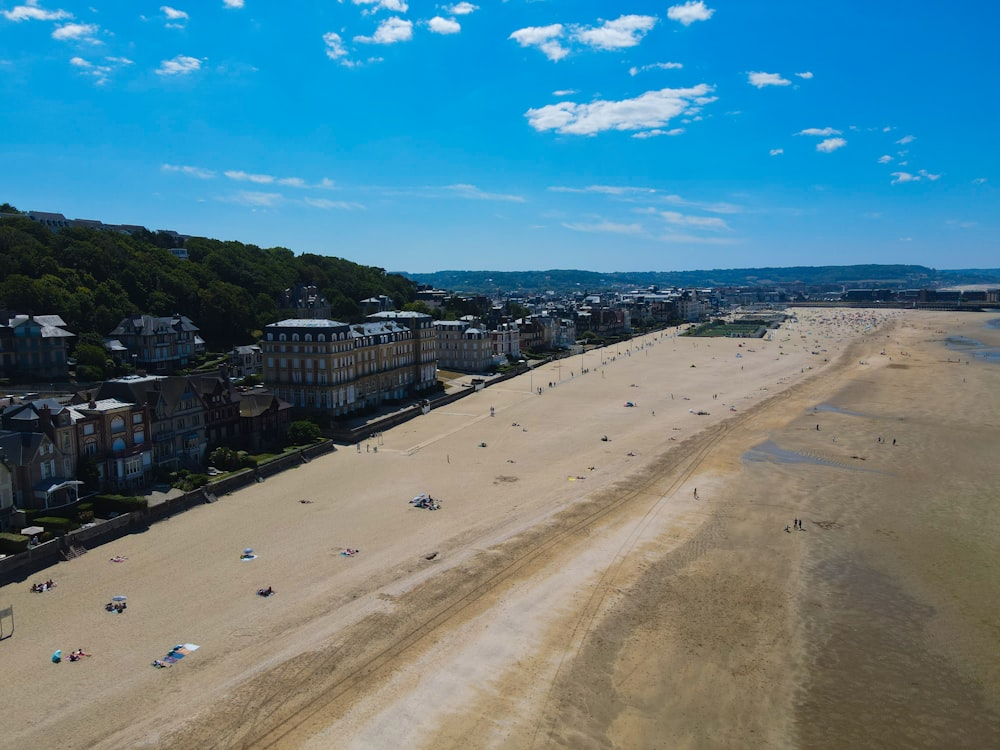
334,45
100,73
616,190
884,159
461,9
390,31
31,12
689,12
822,132
543,37
900,177
979,181
173,14
623,32
929,176
474,193
564,92
79,32
776,151
654,66
237,4
830,145
657,132
906,139
398,6
651,110
444,25
760,80
605,226
807,75
201,174
179,65
240,176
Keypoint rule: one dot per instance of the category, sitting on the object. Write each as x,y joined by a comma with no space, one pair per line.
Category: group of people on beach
796,525
38,588
118,607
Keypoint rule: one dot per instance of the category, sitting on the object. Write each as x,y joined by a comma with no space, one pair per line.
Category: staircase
74,550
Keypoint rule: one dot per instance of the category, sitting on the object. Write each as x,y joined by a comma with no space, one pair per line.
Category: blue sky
518,135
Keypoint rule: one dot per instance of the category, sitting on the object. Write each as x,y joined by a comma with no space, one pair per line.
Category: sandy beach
634,592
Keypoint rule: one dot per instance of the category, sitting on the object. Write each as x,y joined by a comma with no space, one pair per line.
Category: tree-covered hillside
94,278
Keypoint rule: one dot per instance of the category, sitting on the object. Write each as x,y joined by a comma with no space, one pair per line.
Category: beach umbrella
57,656
248,551
118,598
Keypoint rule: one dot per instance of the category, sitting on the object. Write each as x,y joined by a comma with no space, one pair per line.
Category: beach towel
175,655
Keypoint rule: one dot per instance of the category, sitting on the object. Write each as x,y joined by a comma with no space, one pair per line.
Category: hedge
57,525
104,504
12,544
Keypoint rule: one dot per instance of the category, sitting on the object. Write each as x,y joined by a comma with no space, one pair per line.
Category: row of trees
93,278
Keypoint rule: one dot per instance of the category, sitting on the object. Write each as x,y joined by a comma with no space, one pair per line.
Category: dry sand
581,595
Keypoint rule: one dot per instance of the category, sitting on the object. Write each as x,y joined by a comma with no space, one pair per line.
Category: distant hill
562,281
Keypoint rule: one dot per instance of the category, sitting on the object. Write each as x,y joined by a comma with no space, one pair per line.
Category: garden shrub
11,544
57,525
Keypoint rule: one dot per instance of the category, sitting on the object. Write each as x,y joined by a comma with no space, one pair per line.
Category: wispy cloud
606,227
651,110
326,203
397,6
776,151
656,132
930,176
760,79
714,208
617,190
235,4
884,159
906,139
806,75
820,132
441,25
633,71
901,177
461,9
474,193
390,31
564,92
623,32
979,181
711,223
255,199
199,172
830,145
689,12
181,65
99,72
32,12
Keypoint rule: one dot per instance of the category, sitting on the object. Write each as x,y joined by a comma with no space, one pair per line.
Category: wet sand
581,594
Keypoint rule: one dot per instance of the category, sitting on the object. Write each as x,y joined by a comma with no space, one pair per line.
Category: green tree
302,432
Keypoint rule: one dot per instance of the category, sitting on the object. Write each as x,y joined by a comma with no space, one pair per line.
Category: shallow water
836,410
768,451
970,347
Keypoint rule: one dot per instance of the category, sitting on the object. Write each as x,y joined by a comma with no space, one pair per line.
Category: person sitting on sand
265,592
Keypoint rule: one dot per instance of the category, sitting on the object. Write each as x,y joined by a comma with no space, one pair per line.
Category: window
117,424
138,437
133,466
118,445
90,448
137,418
88,429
